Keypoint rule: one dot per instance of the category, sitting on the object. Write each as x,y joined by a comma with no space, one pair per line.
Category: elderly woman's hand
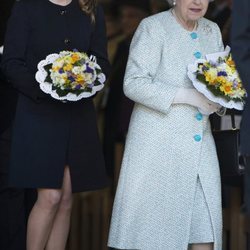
196,99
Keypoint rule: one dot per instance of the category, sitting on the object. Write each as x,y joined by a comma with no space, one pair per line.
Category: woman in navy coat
55,146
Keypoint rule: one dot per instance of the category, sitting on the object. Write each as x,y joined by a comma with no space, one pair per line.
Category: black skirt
50,135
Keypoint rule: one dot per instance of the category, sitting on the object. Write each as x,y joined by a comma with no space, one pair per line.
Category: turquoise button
194,35
199,116
197,54
197,138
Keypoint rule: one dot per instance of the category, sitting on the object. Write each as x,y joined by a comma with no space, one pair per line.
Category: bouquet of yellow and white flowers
70,76
217,78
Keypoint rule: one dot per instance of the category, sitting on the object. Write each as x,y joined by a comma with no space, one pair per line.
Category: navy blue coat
47,133
8,98
241,54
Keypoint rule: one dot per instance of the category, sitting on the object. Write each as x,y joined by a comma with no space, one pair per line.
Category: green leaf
61,92
48,79
64,92
47,69
201,78
97,83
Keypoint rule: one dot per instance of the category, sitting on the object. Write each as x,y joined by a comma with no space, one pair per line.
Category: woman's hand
196,99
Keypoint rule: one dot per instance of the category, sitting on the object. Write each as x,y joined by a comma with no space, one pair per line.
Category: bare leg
60,230
41,218
209,246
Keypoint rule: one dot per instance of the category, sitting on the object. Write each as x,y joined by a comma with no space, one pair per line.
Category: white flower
60,80
58,64
89,78
77,70
92,65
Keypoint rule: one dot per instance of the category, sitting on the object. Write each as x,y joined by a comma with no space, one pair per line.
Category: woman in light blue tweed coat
168,196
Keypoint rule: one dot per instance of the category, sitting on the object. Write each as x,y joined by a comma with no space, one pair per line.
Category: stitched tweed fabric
169,147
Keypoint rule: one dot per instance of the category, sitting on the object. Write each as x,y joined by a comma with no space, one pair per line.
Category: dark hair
89,7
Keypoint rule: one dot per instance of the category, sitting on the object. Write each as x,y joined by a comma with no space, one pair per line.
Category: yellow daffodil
68,67
75,57
55,69
211,76
80,79
222,80
226,88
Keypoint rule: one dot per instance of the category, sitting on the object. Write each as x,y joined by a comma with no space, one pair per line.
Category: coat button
197,54
199,117
66,41
197,138
63,12
194,35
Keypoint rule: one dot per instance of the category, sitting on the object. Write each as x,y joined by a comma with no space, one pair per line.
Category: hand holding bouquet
217,78
70,76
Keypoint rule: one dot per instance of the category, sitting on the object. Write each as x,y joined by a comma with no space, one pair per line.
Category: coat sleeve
14,55
98,45
241,39
143,63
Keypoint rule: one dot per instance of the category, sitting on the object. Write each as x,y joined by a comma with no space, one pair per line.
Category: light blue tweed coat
162,159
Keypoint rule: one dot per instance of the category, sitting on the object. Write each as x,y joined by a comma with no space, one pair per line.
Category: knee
50,199
66,202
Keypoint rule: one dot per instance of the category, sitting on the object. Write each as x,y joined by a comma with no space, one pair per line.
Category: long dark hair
89,7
